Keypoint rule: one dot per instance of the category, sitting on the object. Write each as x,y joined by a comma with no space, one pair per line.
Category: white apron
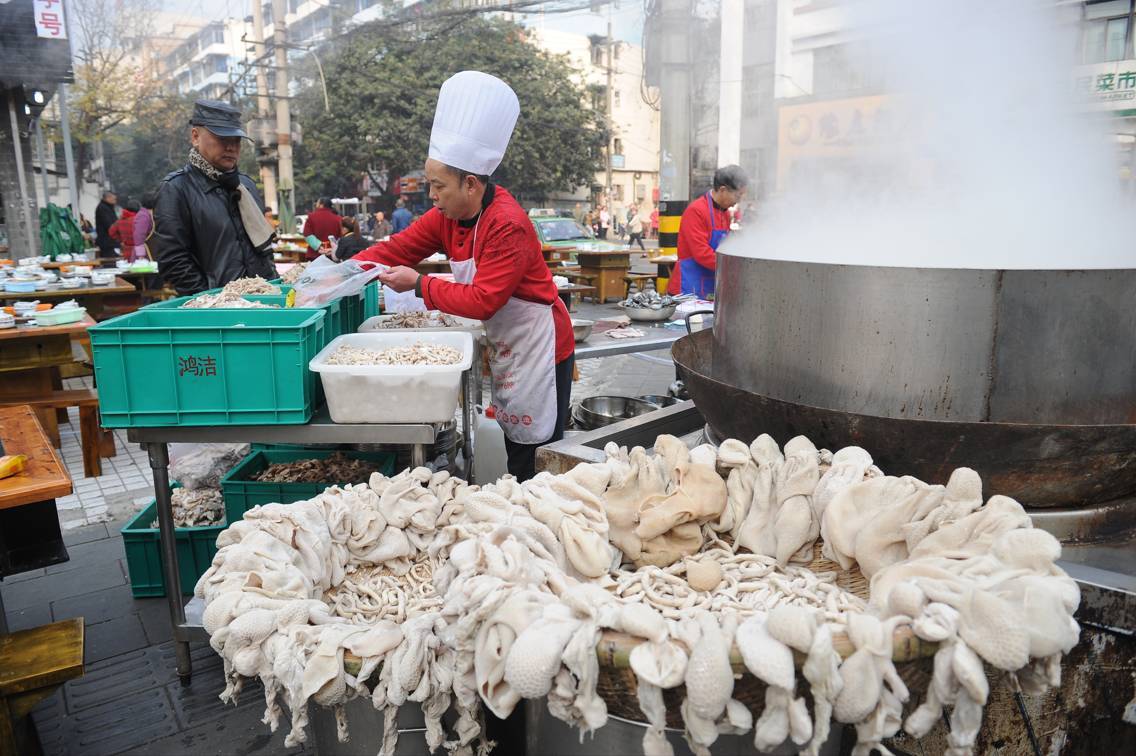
522,361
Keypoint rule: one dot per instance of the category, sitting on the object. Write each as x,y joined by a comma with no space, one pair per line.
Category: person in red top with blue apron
704,224
500,276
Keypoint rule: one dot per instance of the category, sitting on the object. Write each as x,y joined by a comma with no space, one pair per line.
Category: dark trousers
636,239
522,457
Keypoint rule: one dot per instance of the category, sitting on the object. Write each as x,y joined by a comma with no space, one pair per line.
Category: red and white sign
49,19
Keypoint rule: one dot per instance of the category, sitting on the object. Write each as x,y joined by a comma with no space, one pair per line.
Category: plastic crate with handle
242,493
195,550
207,367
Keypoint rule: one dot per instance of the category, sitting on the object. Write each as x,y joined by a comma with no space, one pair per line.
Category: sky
627,19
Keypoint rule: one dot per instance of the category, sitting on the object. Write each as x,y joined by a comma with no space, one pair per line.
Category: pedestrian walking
635,228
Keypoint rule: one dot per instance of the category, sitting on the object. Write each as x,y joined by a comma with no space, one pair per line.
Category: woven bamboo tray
618,685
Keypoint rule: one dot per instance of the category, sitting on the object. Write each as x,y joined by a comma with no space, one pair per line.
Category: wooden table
289,255
556,256
99,262
45,476
428,267
572,292
30,358
664,265
91,297
609,268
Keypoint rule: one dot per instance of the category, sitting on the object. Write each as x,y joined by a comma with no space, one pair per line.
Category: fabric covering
456,597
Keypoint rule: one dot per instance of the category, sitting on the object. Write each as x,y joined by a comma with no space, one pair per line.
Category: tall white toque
473,122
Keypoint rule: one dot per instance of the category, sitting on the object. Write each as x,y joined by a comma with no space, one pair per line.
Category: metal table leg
160,464
417,455
467,423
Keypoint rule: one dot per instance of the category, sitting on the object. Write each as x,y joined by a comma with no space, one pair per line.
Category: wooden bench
96,441
33,663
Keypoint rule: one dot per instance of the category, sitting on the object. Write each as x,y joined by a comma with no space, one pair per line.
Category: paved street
129,700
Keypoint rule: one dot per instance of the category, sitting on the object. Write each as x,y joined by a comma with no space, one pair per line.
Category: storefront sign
49,19
1106,86
830,129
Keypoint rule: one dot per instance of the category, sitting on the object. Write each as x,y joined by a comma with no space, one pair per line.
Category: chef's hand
400,278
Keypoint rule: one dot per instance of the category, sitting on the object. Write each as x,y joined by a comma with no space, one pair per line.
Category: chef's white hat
473,122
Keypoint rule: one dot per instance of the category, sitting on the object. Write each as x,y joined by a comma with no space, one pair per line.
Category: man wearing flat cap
209,224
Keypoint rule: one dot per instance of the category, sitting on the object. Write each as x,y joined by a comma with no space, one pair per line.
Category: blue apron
695,278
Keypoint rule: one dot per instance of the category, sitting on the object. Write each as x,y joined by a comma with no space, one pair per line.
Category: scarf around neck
259,230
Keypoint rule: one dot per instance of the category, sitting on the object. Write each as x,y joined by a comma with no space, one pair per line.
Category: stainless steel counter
186,618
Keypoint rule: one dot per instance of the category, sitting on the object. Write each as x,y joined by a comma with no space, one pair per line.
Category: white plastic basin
393,393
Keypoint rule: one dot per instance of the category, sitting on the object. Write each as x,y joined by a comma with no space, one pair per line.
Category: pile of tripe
459,596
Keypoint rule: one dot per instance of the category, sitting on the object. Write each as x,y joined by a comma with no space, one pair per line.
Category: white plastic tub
393,393
375,325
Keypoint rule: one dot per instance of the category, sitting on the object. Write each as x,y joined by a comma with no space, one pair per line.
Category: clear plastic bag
203,465
324,280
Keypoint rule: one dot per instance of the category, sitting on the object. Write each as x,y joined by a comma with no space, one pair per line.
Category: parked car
560,232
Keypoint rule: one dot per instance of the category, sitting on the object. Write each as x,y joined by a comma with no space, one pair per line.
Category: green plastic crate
242,493
207,367
335,324
371,306
195,550
353,312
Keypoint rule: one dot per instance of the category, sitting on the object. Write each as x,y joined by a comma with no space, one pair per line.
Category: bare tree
111,84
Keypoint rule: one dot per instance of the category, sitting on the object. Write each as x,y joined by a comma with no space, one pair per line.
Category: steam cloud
991,163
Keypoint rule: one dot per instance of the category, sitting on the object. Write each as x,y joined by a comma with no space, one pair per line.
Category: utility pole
267,168
42,158
26,202
730,83
65,123
283,115
674,88
610,107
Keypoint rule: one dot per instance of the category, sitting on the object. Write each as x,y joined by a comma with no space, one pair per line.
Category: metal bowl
646,314
659,400
598,411
582,329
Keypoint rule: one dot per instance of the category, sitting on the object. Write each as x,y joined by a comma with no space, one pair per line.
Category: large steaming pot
1027,376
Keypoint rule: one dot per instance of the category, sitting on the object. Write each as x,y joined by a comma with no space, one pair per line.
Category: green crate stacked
371,304
195,550
354,307
160,367
242,493
335,322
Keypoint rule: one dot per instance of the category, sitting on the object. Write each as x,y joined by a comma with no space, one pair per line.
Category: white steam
992,165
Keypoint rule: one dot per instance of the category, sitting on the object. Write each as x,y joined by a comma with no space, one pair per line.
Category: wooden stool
96,441
638,279
33,663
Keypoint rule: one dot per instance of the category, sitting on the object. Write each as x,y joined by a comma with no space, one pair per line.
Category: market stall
659,577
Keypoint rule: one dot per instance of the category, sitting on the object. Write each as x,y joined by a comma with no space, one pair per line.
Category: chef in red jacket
704,224
500,276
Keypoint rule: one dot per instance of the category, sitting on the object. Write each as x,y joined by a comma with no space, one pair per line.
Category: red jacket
123,231
694,238
508,258
321,223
